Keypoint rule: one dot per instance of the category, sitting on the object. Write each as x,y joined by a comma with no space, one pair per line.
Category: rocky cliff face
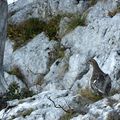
56,69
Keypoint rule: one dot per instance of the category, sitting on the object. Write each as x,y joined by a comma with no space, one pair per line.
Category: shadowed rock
3,102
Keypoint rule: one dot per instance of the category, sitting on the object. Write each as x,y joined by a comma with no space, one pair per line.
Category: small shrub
13,91
22,33
114,12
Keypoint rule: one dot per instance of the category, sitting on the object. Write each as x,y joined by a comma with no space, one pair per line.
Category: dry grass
68,115
76,20
22,33
16,71
87,93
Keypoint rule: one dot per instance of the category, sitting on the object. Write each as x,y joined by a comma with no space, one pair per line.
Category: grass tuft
68,115
76,20
22,33
52,27
87,93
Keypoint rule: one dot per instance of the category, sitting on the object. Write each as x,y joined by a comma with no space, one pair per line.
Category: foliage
22,33
52,27
76,20
14,92
114,12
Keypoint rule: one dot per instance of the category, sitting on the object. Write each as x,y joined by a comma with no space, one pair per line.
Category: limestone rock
105,109
32,59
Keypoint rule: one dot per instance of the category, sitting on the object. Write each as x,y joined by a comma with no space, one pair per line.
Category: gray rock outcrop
66,79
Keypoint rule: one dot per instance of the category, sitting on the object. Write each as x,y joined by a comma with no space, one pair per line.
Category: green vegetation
76,20
15,93
114,12
20,34
68,115
87,93
52,27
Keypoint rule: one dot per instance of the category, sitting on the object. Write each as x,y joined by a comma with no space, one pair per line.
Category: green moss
27,112
22,33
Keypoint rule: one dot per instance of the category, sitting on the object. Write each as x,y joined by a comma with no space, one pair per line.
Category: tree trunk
3,37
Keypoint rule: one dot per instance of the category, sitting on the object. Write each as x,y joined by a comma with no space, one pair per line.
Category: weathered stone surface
3,37
33,58
40,107
42,9
54,78
108,108
8,55
66,76
98,39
